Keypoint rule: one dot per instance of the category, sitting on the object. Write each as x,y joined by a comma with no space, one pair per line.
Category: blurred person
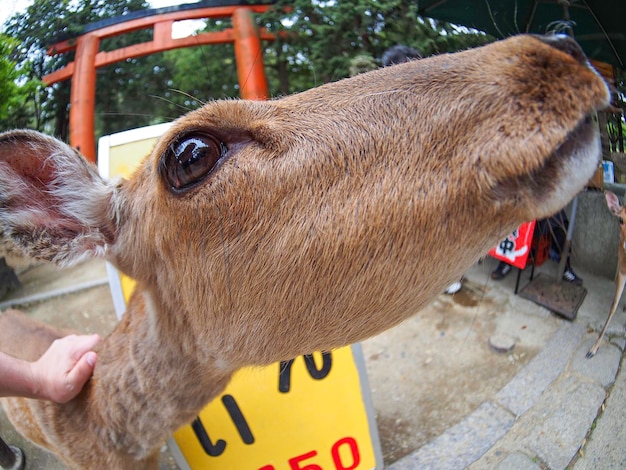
399,54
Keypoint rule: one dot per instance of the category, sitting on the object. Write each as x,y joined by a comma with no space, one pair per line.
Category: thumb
81,371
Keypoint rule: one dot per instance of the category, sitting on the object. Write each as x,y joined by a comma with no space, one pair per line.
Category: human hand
62,371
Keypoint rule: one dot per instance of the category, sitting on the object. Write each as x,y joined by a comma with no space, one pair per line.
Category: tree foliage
46,22
316,41
17,91
204,72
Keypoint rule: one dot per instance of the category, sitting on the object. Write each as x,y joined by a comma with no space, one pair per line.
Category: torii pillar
83,97
248,54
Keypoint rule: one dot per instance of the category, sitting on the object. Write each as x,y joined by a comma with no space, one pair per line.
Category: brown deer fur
612,201
332,215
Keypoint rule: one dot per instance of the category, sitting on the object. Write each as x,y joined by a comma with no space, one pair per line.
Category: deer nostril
566,44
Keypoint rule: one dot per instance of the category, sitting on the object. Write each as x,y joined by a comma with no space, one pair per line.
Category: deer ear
53,203
613,202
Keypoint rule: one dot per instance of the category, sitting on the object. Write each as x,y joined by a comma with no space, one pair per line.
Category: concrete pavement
560,411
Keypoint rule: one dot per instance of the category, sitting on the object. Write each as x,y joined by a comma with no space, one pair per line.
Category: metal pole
11,458
568,241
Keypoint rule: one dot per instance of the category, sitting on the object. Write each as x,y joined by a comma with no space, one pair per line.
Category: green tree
201,73
317,40
120,88
616,123
16,90
33,29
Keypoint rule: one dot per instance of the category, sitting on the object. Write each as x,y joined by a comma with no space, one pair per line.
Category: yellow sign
307,413
311,413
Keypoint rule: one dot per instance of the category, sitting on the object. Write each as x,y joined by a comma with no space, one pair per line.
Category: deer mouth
572,164
581,143
578,156
563,173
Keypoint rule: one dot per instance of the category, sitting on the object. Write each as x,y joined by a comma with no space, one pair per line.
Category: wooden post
249,56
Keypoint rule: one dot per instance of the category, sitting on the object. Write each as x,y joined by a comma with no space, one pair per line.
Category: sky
10,7
180,29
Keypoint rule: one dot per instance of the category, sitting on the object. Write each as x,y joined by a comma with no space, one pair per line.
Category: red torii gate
244,34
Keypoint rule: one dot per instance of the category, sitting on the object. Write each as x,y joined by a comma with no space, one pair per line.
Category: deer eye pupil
190,159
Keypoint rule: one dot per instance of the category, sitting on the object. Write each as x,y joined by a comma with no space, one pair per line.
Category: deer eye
190,159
